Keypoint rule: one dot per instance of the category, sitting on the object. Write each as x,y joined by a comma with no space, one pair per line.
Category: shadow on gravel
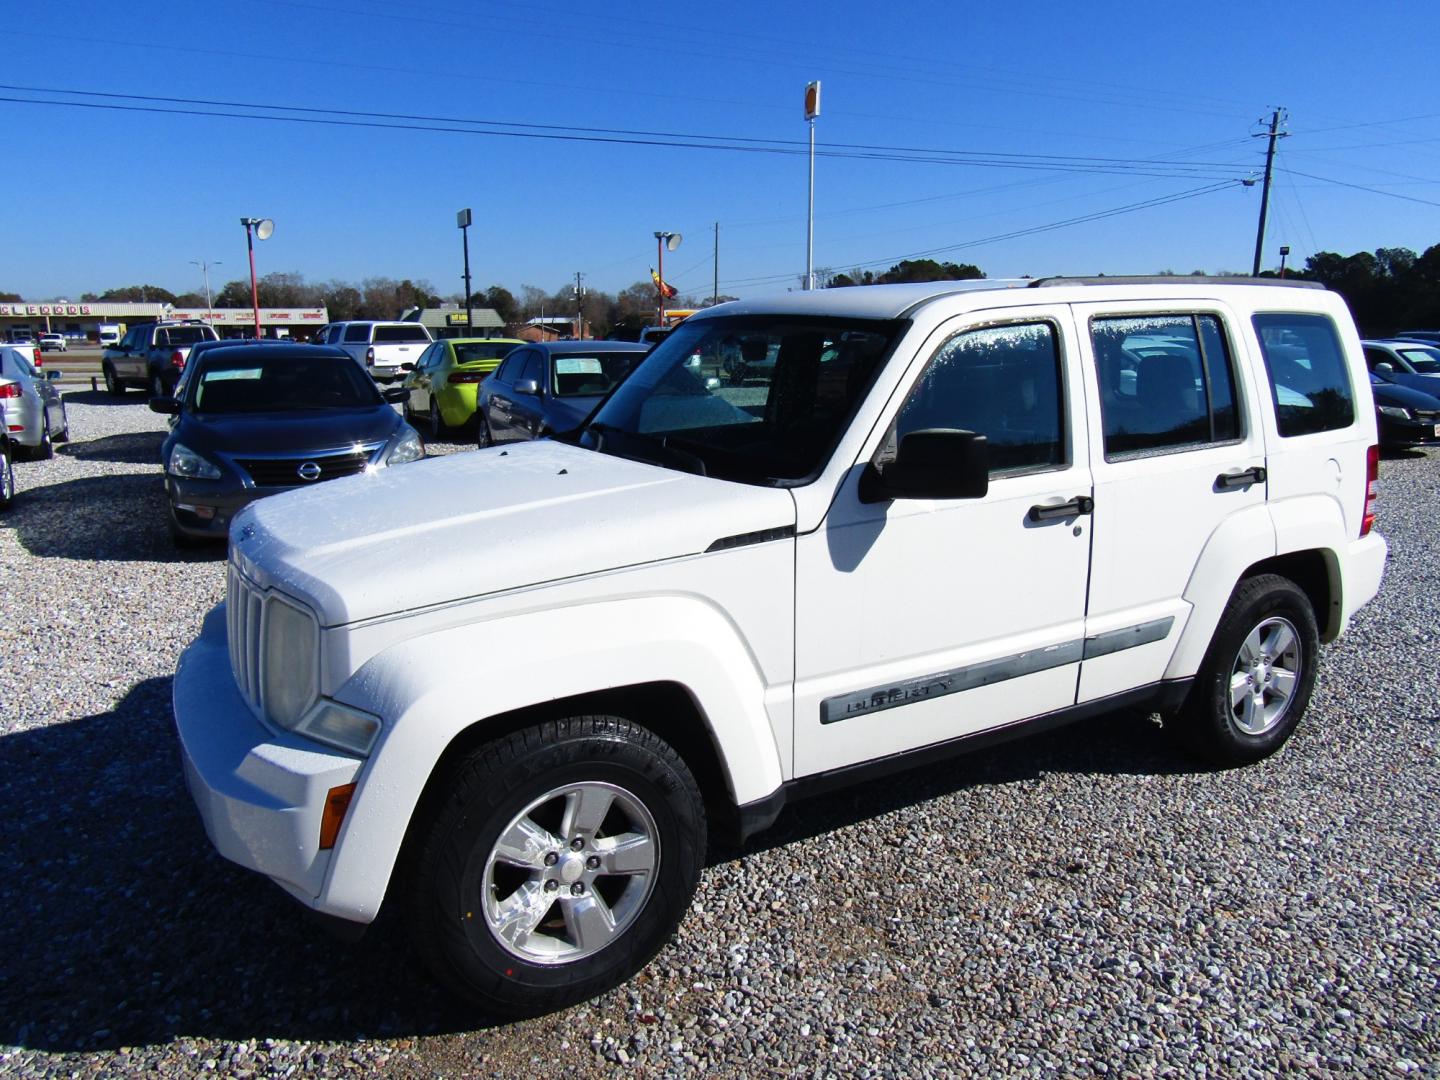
107,518
122,927
1402,454
102,397
1124,743
134,448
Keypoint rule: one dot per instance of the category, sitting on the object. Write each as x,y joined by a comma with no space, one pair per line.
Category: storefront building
81,322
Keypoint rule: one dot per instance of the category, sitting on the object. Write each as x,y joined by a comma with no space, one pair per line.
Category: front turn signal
337,801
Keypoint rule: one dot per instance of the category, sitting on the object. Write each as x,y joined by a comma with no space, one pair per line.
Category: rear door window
392,334
1305,363
1167,382
358,332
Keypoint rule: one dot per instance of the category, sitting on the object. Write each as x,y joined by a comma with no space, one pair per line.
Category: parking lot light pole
262,227
205,272
663,241
462,221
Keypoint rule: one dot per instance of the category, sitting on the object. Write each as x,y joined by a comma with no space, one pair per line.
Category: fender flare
430,689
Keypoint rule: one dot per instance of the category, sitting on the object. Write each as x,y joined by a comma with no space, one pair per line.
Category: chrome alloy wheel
1263,679
570,873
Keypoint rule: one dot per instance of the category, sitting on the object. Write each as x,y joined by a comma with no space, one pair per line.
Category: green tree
152,294
503,301
11,297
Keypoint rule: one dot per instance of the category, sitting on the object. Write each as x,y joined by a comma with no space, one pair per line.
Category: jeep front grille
243,605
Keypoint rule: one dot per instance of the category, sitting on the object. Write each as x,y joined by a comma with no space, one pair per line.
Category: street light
664,241
205,271
263,227
1284,251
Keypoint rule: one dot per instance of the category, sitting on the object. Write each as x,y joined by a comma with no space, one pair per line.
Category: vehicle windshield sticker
577,365
232,373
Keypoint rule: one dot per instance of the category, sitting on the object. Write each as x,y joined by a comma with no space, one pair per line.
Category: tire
114,385
1257,676
7,479
483,438
437,422
183,541
45,449
63,435
580,930
157,386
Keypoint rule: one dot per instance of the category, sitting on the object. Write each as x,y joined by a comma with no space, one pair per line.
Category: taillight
460,378
177,360
369,357
1372,489
39,357
9,389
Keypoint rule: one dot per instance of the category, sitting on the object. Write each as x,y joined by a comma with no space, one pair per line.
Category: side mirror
394,394
167,405
938,463
1384,369
51,374
527,386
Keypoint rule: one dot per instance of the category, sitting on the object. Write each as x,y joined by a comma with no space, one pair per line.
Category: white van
946,514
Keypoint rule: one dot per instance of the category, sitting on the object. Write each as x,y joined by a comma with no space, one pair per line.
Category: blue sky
1112,92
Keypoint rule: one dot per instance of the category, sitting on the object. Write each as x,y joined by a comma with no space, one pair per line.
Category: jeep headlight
187,463
289,673
1395,411
407,448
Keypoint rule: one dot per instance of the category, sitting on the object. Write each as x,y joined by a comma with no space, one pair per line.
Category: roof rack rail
1175,279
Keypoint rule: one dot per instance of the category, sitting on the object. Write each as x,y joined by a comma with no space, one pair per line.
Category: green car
443,382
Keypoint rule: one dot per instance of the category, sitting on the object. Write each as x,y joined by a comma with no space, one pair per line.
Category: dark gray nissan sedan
254,420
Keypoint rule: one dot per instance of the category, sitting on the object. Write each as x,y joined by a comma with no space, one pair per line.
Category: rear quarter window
1309,380
392,334
358,332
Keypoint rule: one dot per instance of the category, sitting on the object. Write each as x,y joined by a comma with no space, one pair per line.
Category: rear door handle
1244,478
1081,504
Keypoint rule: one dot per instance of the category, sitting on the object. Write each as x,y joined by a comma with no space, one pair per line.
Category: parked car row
1405,380
33,410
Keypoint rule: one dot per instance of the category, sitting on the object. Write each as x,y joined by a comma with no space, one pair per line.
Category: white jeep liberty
865,527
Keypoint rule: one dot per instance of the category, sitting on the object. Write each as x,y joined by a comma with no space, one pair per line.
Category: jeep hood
469,524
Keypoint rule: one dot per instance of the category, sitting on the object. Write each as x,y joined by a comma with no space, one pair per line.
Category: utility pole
205,273
1275,133
579,307
715,287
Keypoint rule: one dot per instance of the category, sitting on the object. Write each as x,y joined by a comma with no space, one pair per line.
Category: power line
576,133
1014,234
1362,187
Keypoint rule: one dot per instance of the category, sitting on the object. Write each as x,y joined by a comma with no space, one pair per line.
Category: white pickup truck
946,514
383,347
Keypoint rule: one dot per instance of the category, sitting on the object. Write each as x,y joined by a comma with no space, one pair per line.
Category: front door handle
1081,504
1244,478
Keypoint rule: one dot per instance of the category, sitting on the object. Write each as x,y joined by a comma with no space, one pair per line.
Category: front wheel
1257,676
45,449
560,862
63,435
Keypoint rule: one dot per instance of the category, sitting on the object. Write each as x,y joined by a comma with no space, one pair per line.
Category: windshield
759,399
1424,361
252,383
400,333
482,350
592,376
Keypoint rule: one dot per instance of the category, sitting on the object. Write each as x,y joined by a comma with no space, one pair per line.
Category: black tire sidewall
7,479
1212,727
483,438
451,869
113,385
437,422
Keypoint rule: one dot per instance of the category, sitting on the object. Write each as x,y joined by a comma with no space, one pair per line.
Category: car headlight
409,448
289,666
187,463
1395,411
340,726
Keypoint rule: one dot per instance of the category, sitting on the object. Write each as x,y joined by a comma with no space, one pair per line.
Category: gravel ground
1085,902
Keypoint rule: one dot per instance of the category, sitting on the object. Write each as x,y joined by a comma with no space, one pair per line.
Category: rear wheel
113,385
7,478
437,423
561,861
1257,677
157,386
63,435
483,438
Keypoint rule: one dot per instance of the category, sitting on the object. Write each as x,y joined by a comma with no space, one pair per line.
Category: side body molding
430,689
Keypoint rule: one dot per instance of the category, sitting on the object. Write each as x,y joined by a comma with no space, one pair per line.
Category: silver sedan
33,411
